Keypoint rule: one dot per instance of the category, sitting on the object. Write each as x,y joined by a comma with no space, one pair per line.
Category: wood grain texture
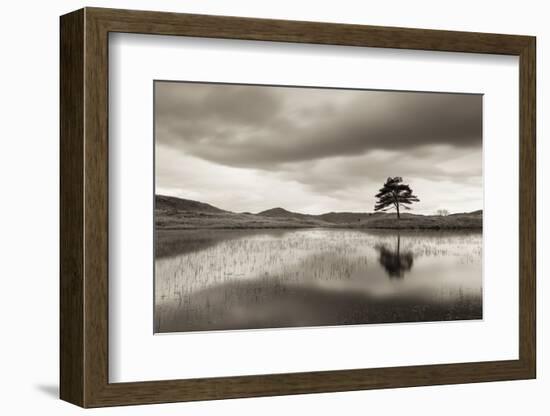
225,27
71,208
527,208
84,207
96,209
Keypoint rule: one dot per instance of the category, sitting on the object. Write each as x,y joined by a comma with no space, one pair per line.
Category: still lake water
242,279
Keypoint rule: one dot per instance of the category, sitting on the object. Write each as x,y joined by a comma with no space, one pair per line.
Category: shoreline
336,227
180,214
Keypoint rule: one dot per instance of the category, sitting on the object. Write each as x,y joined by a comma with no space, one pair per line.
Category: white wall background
29,224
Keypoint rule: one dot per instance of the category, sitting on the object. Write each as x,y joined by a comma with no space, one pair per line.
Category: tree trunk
398,216
398,244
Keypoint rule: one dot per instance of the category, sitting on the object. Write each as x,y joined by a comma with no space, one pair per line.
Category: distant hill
277,212
179,213
170,203
283,213
478,212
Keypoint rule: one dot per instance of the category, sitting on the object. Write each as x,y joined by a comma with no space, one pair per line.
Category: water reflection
395,262
209,280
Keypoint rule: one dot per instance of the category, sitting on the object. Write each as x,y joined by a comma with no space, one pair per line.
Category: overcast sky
251,148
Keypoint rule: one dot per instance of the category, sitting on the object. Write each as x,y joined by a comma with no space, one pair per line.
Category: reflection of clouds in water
308,270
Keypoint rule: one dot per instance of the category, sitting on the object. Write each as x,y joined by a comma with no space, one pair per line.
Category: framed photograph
254,207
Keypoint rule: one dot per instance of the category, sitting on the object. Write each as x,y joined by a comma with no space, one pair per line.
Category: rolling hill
179,213
170,203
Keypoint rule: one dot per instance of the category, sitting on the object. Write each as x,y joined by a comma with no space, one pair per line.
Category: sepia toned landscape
277,207
177,213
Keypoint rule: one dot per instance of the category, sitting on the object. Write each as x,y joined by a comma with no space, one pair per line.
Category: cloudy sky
251,148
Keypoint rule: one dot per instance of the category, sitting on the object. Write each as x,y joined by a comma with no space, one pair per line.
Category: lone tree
394,194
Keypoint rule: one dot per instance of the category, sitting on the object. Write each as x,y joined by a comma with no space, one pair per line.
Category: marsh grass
240,279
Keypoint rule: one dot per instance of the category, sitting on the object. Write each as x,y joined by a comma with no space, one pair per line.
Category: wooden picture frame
84,207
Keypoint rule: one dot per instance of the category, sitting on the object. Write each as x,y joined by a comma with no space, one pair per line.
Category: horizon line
302,213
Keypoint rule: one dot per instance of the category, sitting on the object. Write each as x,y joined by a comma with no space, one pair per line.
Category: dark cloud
311,150
440,164
181,104
264,127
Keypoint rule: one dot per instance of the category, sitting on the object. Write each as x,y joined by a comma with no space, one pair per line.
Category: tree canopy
394,194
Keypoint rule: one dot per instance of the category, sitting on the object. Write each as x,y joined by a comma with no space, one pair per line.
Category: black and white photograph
292,206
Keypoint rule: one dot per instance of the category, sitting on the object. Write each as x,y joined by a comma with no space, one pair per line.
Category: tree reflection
395,262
